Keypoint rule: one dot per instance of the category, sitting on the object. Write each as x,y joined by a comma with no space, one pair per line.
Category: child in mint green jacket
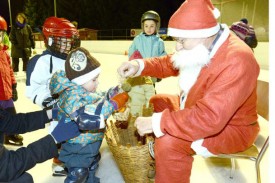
147,44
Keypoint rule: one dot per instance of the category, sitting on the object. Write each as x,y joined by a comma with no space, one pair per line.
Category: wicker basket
130,152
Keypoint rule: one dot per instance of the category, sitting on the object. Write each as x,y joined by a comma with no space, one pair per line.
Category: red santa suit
218,113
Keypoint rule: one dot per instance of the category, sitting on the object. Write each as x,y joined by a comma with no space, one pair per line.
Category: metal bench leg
232,171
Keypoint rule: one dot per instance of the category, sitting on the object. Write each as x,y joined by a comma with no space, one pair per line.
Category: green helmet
151,15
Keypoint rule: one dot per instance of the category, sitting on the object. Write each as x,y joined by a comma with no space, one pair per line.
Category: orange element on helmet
3,24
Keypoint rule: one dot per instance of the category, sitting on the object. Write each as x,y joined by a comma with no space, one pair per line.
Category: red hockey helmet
3,24
59,33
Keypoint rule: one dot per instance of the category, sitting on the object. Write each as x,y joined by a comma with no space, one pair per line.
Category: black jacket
14,163
22,41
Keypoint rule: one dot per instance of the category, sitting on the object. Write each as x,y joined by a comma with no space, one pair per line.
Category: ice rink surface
211,170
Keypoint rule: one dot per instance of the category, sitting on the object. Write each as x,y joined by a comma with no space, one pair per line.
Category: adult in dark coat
14,164
8,91
22,42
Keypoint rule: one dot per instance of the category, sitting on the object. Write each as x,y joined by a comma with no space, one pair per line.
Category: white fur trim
102,122
216,13
52,126
86,77
182,100
141,67
156,117
199,33
200,150
221,40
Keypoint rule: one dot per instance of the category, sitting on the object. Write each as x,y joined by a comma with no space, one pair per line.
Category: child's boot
92,170
77,175
58,168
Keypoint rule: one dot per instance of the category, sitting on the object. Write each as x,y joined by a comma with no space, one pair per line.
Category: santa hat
135,55
194,19
80,66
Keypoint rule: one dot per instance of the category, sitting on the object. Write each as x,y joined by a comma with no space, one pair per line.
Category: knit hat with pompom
81,66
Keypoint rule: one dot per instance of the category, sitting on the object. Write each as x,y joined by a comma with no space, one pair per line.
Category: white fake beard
198,56
190,62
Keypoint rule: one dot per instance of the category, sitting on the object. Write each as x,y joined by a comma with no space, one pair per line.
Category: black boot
16,140
92,170
77,175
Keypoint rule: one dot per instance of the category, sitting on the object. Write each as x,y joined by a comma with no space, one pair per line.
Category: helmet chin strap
216,39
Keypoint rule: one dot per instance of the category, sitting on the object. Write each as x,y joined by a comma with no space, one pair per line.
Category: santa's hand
144,125
128,69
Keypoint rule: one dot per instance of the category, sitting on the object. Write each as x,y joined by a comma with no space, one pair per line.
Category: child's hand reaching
119,100
112,92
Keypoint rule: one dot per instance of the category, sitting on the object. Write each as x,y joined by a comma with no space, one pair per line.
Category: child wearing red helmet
8,92
60,37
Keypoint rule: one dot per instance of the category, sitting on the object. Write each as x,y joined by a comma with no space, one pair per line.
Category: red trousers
174,156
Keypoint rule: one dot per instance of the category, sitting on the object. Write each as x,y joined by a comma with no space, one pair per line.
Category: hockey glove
49,102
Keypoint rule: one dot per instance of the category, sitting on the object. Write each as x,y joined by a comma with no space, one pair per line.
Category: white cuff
102,122
201,150
52,126
141,67
156,117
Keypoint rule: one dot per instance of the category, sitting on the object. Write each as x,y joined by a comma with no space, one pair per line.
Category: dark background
117,17
94,14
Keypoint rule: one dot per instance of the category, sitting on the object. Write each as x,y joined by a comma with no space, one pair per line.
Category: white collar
221,40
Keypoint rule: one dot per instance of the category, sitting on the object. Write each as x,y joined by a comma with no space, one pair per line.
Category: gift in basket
130,150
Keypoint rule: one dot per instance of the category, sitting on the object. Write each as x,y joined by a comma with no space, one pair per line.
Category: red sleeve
13,80
229,98
160,67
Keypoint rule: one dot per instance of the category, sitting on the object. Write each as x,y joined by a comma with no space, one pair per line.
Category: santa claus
216,109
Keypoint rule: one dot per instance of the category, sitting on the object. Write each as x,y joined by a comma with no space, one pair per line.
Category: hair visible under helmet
194,19
57,33
23,16
150,15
